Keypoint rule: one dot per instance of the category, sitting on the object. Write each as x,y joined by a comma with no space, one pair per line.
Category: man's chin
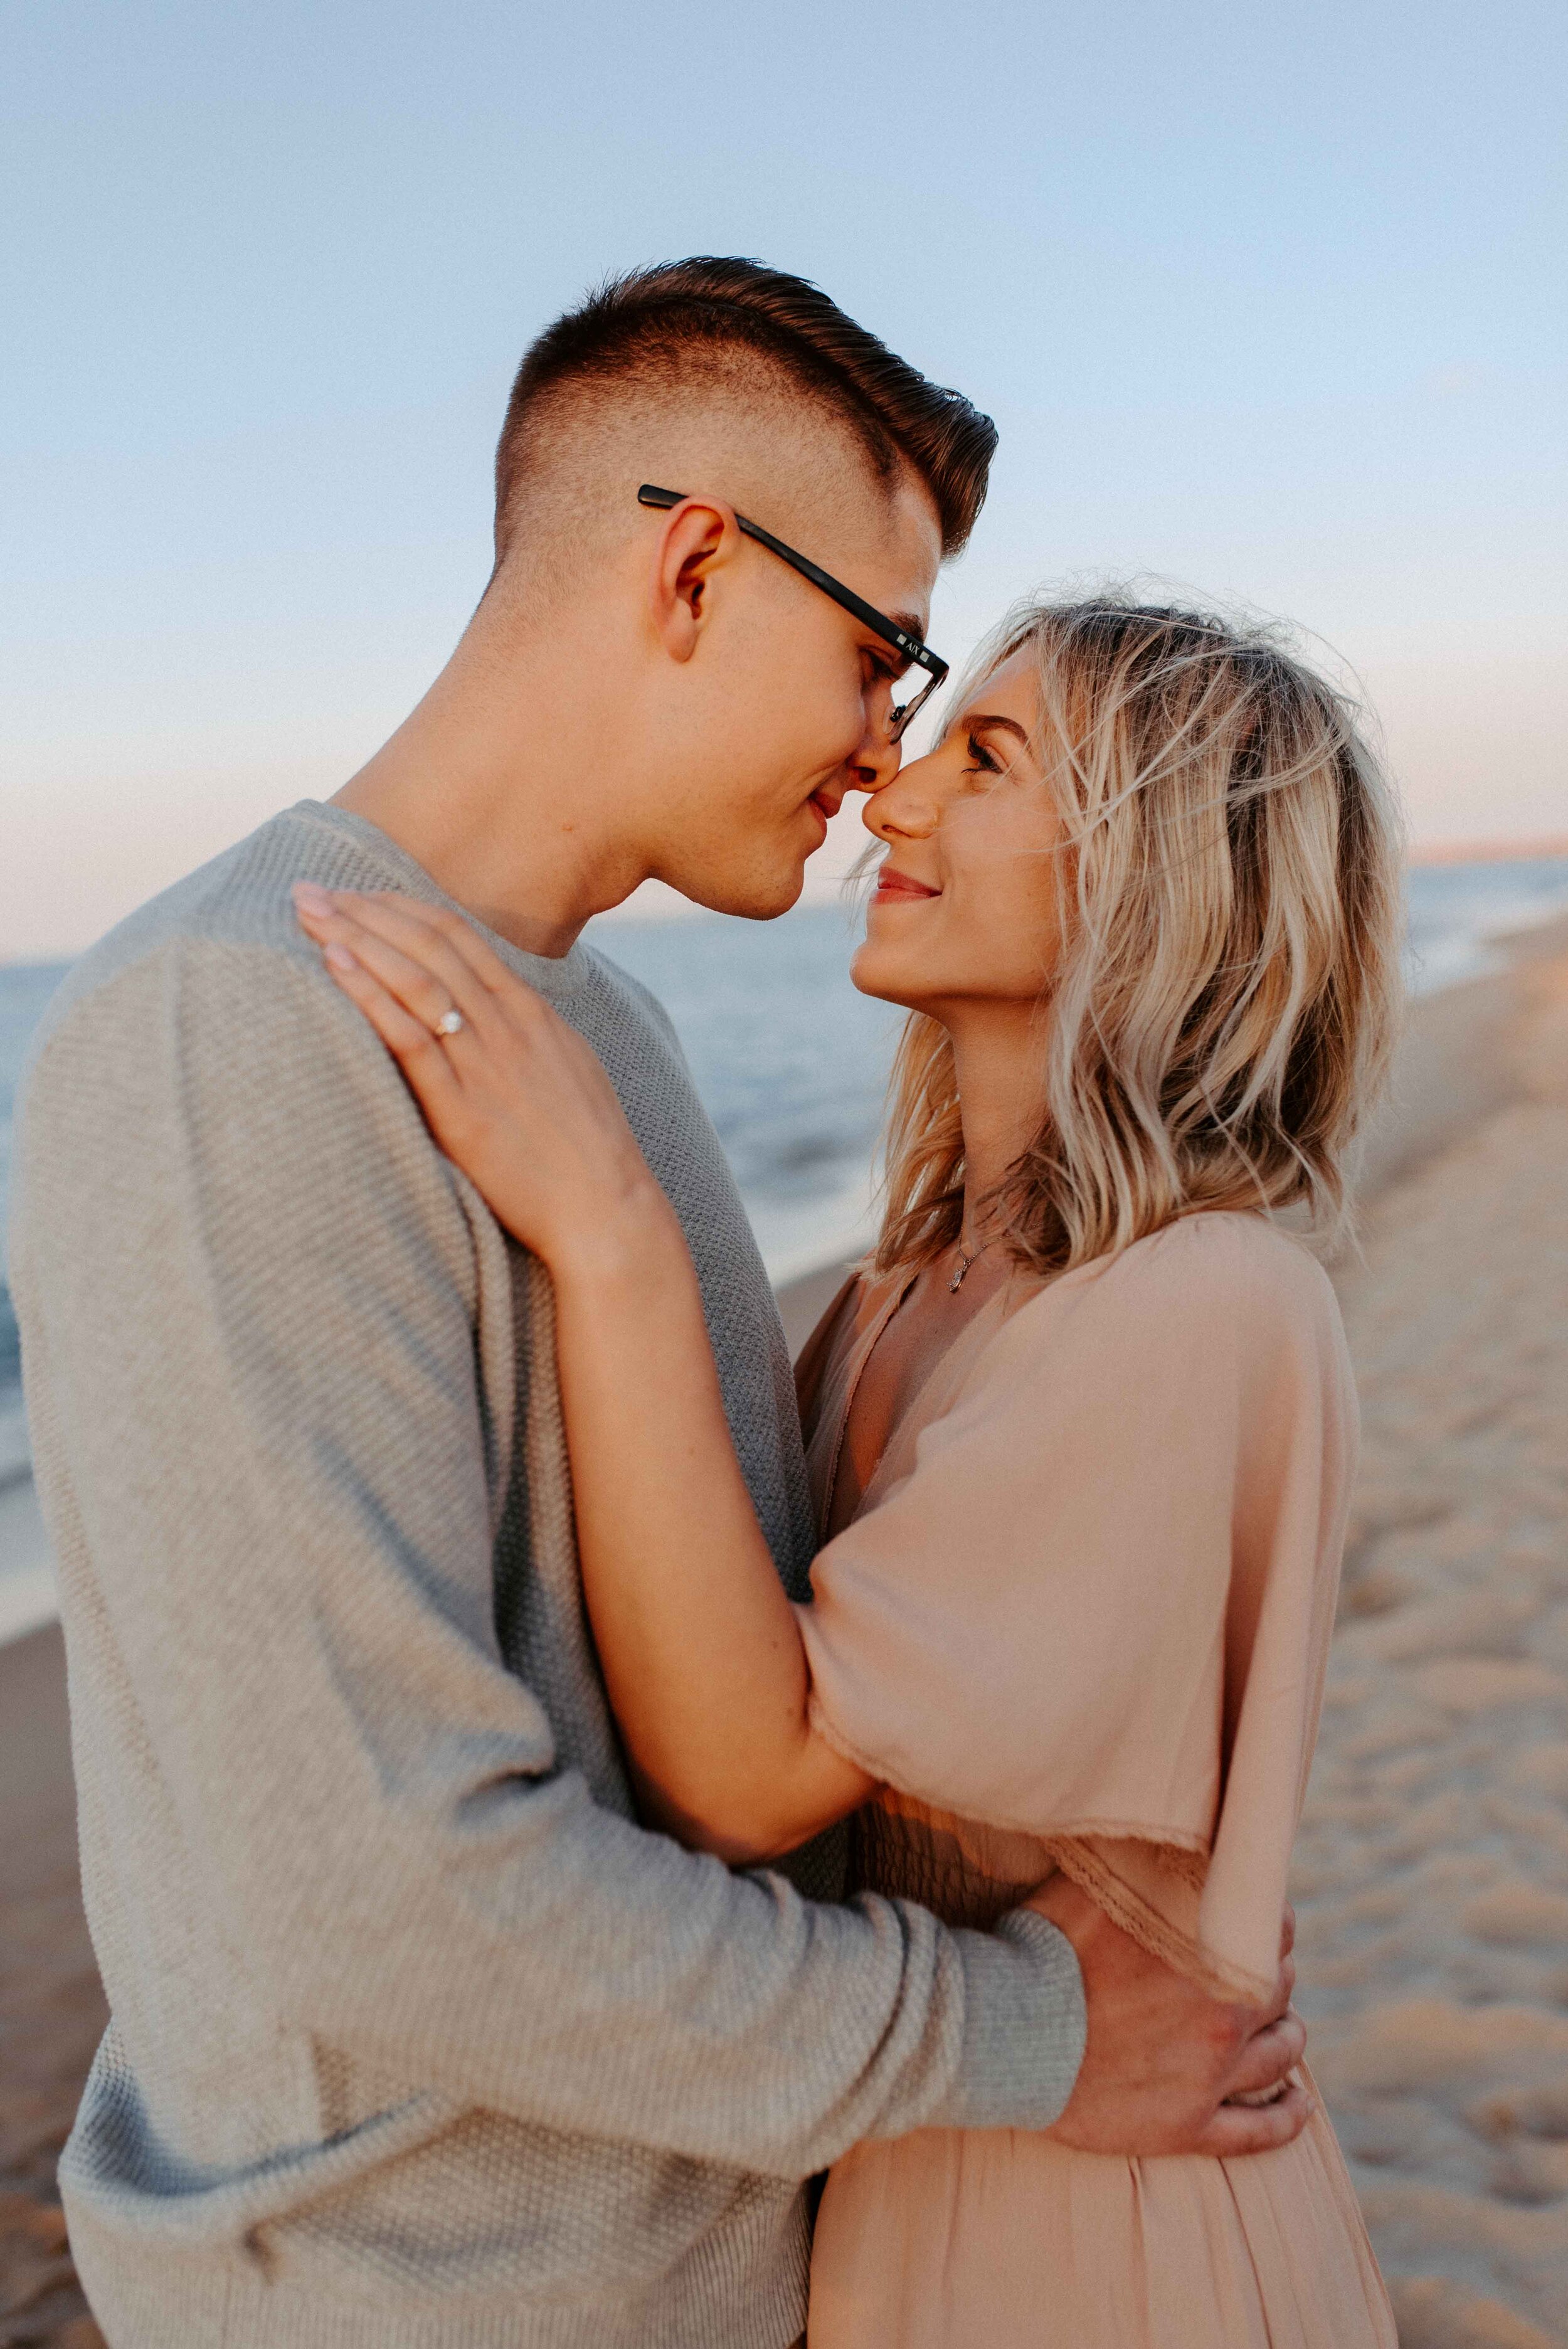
750,896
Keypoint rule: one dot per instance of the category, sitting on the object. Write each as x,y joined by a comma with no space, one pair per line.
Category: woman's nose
906,807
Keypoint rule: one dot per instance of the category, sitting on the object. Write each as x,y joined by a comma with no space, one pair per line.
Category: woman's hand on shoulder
510,1091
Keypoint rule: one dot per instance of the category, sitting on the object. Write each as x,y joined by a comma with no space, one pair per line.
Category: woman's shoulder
1230,1249
1199,1281
1213,1325
1226,1251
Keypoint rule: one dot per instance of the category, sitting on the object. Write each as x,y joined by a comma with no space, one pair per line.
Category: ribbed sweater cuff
1025,2024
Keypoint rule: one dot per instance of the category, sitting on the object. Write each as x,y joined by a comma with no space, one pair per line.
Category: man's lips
901,884
825,806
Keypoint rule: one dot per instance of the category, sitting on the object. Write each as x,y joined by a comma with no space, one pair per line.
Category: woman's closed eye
982,759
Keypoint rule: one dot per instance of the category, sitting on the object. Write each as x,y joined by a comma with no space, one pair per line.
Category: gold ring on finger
450,1023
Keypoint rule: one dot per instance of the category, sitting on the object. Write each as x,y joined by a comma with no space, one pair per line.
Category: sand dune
1432,1870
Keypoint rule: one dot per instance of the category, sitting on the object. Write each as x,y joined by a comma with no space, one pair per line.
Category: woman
1080,1434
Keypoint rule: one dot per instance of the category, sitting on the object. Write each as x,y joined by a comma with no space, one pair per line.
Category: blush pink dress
1079,1621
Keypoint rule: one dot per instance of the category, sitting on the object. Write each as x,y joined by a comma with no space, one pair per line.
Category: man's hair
663,329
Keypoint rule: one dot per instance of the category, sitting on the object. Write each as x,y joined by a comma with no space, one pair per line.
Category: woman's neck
998,1058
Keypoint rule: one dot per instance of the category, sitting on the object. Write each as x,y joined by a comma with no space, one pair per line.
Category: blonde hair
1228,986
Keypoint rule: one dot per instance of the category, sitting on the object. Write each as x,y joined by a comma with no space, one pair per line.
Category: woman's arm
699,1646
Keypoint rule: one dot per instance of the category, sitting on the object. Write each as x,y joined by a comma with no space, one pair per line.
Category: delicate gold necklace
966,1257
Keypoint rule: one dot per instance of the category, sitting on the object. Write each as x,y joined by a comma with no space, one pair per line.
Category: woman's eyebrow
984,717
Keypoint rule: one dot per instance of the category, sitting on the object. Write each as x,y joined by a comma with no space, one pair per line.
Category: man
418,2039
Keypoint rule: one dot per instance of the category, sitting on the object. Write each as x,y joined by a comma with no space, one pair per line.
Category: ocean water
792,1063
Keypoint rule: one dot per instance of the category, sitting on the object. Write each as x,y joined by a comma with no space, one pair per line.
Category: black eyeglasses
915,654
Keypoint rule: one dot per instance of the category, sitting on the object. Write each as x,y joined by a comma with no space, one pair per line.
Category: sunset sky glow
1266,302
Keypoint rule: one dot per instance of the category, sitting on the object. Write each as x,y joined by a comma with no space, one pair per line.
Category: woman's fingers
425,973
1268,2056
416,1050
425,997
457,934
1258,2128
440,942
511,1071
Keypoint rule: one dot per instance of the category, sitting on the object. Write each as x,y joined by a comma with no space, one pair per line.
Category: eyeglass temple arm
867,614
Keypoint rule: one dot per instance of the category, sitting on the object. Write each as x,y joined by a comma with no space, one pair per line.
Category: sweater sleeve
250,1291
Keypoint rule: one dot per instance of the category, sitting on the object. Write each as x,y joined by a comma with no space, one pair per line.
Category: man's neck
504,788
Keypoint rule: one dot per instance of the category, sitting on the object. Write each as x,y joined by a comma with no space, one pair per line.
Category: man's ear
700,537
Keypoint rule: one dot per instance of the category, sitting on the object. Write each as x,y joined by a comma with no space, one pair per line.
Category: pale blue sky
1267,301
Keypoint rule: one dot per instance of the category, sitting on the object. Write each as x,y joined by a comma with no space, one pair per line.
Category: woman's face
965,911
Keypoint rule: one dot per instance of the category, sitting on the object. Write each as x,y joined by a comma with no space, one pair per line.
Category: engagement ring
448,1023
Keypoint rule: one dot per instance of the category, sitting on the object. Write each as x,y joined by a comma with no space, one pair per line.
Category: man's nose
877,760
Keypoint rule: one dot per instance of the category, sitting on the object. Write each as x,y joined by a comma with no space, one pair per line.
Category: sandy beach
51,2008
1432,1870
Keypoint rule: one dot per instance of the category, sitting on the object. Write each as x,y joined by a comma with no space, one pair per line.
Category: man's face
785,706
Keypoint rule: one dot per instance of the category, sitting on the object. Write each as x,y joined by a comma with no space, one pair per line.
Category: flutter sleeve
1094,1602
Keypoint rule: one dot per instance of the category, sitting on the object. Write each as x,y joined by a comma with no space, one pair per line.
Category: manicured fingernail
340,957
312,899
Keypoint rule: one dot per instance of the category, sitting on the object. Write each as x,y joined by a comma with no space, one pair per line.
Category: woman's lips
901,885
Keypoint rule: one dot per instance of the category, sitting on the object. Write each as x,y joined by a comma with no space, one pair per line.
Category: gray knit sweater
417,2038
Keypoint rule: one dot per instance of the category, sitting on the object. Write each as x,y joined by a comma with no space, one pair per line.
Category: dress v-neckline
923,1404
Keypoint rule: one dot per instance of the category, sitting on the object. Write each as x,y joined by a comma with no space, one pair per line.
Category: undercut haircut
668,328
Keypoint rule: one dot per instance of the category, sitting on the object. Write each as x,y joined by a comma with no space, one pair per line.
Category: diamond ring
449,1022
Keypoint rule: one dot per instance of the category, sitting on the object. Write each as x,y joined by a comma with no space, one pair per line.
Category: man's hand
1162,2056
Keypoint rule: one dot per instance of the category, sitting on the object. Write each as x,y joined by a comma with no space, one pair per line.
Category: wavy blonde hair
1227,991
